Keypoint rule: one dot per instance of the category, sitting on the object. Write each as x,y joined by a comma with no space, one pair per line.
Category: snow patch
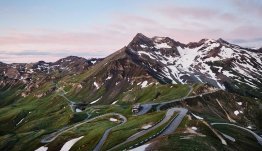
147,54
109,77
30,71
70,143
20,121
144,84
140,148
115,102
113,119
194,128
96,100
236,112
146,126
239,103
93,62
78,110
162,45
143,46
197,117
158,39
96,85
228,74
197,76
42,148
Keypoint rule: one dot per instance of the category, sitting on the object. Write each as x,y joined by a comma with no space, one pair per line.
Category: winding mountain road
170,128
259,139
175,123
51,137
106,133
147,107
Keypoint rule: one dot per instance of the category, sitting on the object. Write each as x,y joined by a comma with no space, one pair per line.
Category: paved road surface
145,108
148,106
184,98
173,125
106,133
164,103
49,138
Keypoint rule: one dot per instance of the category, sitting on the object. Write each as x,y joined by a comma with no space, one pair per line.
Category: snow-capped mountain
151,60
216,62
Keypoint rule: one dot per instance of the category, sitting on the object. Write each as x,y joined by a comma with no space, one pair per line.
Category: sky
33,30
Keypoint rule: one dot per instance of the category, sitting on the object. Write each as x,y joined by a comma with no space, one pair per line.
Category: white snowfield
70,143
195,62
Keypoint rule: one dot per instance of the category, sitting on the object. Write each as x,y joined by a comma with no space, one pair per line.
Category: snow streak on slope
70,143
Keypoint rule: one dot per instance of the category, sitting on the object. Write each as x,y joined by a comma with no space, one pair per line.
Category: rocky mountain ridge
68,65
217,62
151,60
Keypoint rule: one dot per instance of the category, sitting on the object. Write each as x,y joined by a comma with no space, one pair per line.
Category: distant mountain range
162,59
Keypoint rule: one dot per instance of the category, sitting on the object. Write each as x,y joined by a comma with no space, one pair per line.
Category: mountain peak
196,44
140,35
220,40
259,50
141,39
